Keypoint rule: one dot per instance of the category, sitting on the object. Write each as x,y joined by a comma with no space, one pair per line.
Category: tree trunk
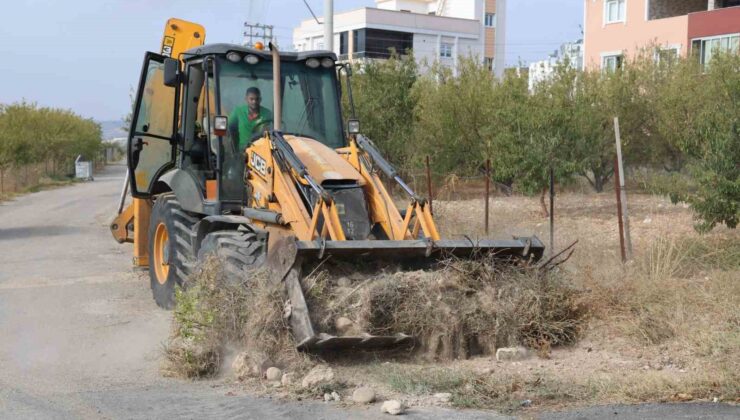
545,213
598,183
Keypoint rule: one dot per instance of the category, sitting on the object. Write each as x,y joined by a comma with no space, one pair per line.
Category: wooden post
617,190
622,191
488,190
552,211
429,186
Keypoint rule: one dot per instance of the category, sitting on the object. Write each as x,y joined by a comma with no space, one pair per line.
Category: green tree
29,134
384,104
715,146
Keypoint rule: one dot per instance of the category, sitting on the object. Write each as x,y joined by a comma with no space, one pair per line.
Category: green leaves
675,116
31,134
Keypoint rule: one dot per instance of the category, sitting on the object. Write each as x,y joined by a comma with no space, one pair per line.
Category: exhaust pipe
277,97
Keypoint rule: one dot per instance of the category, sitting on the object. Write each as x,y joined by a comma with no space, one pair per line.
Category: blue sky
86,54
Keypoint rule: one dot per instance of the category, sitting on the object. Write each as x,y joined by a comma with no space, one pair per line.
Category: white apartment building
435,30
543,70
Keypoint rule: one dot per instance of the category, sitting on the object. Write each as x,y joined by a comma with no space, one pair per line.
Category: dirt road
80,336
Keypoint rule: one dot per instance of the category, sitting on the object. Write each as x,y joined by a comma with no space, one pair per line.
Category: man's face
253,101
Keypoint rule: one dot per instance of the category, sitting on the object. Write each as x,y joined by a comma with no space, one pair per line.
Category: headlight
234,57
327,62
251,59
353,126
313,63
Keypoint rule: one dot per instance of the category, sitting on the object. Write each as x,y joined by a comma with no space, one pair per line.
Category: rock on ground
287,379
511,353
273,374
318,375
363,395
393,407
443,396
240,365
343,324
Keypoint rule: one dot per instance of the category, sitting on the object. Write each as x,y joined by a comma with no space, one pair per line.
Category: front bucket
287,257
529,248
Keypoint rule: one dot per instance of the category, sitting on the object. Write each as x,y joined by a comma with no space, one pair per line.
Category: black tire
177,250
240,251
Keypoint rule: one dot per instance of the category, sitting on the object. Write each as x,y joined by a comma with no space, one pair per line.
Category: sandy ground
80,336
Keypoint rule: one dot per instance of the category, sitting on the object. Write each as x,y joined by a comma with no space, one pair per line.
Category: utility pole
622,194
329,25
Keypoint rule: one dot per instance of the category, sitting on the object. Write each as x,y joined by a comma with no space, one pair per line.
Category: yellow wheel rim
161,253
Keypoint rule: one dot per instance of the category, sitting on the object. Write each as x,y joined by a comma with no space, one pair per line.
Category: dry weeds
457,310
215,316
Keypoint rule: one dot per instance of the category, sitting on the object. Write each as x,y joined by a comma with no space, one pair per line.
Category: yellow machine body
132,224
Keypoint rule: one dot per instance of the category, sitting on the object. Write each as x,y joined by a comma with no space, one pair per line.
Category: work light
353,126
220,125
313,63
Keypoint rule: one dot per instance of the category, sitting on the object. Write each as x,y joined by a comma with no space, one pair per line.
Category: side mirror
353,126
220,125
171,72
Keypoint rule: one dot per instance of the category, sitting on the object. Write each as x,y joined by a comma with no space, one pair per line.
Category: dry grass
216,315
665,327
459,309
506,390
41,184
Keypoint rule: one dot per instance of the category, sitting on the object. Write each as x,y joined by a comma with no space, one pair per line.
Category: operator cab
223,80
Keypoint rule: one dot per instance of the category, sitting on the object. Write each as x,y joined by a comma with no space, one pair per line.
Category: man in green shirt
249,118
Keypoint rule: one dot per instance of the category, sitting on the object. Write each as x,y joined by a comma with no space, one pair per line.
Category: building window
667,55
707,48
378,43
343,43
610,63
490,20
615,10
489,63
445,50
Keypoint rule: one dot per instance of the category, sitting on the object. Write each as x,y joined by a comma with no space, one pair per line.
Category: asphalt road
80,336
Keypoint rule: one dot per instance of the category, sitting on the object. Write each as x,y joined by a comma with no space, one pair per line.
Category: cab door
152,137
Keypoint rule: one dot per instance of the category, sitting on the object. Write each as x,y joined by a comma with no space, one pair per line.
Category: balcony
663,9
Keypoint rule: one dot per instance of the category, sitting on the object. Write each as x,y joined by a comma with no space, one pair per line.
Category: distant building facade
615,29
570,52
435,30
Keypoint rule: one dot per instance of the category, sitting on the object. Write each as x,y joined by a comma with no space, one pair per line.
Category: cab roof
264,54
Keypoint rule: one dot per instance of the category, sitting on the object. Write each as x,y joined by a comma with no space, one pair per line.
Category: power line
312,13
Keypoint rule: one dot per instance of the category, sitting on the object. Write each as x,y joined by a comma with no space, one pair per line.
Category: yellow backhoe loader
299,188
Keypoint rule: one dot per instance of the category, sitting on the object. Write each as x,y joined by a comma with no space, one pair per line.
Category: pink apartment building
616,29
